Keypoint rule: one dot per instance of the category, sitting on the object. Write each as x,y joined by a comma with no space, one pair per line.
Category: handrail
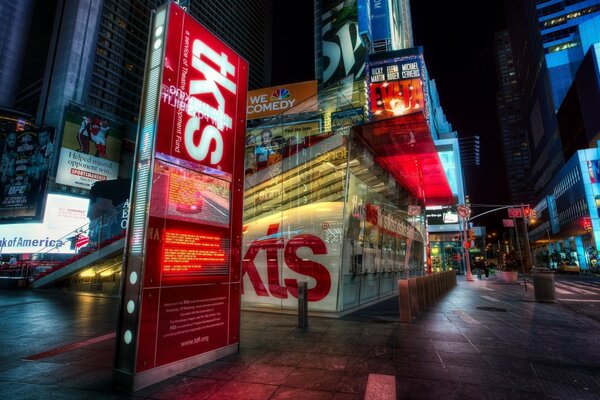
99,238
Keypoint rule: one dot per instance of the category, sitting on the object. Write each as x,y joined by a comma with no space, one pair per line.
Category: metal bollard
302,304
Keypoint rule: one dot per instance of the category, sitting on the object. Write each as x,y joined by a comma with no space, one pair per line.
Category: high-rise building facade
567,28
98,59
535,93
510,120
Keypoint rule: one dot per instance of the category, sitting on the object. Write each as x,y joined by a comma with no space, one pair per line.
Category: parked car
568,267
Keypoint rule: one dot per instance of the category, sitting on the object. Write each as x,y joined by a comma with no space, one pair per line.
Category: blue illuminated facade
569,208
567,28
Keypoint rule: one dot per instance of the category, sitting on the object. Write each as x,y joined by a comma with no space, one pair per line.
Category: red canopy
403,146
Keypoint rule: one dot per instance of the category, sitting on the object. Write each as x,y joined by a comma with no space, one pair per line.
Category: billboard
62,215
26,159
181,297
90,148
291,98
440,215
344,54
395,87
269,145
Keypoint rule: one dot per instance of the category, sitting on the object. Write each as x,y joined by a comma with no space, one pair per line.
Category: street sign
508,223
514,213
463,211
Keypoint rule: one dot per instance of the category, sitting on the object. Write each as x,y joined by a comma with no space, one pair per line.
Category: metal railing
96,234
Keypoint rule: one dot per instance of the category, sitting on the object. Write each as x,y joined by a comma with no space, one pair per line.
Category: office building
510,121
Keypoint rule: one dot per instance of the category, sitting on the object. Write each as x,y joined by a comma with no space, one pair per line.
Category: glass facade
318,208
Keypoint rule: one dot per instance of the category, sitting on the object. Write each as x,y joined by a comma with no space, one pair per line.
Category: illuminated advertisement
343,52
180,304
290,98
347,118
90,148
395,87
26,158
279,253
62,215
440,215
269,145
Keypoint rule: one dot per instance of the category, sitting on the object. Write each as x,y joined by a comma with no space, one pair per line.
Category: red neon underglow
404,147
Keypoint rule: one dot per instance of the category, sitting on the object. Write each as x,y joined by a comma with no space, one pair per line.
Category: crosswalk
572,287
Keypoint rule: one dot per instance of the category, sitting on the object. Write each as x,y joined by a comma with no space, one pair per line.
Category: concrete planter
507,276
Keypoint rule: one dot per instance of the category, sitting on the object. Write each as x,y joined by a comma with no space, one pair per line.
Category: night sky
458,41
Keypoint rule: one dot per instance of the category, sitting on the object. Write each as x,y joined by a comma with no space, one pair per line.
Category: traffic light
471,234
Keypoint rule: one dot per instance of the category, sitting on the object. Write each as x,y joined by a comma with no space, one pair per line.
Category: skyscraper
567,29
99,50
510,120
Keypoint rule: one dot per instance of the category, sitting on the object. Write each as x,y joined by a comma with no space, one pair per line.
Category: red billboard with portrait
181,295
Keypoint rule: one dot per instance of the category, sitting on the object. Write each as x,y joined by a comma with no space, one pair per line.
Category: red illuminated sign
203,96
193,252
395,87
183,243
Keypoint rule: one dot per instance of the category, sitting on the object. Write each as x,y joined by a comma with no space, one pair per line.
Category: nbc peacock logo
280,94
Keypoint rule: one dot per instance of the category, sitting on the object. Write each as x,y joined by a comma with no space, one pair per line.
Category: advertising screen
395,87
62,215
181,300
90,148
25,162
268,145
440,215
344,53
291,98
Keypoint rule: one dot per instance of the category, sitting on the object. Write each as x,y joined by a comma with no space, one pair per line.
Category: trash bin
543,285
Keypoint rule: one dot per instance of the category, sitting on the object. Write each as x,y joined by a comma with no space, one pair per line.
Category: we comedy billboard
90,148
182,265
26,159
291,98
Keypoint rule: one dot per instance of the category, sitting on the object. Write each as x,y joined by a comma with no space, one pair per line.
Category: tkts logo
203,96
273,244
216,80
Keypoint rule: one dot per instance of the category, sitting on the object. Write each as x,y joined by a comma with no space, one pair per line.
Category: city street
482,340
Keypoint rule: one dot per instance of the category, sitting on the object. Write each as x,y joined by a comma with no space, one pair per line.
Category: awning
403,146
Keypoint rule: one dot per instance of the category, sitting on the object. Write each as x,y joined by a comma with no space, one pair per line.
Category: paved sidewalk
482,340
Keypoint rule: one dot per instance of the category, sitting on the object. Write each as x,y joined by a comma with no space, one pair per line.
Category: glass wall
318,209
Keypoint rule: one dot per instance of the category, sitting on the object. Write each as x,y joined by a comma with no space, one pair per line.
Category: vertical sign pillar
180,300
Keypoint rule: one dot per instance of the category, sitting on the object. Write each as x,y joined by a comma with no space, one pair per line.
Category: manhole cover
497,309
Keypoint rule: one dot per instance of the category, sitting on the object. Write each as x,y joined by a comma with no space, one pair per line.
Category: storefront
340,208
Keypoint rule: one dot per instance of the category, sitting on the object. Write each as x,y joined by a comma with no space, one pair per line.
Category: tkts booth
337,203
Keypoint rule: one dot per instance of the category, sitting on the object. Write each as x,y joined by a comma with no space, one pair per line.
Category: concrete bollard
404,299
421,293
414,296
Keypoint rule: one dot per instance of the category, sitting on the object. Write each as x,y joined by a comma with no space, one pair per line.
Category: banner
395,87
90,148
291,98
62,215
26,159
269,145
344,53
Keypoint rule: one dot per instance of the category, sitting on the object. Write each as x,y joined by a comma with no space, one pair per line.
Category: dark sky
458,41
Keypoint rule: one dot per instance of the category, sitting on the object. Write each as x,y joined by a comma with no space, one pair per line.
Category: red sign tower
181,282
